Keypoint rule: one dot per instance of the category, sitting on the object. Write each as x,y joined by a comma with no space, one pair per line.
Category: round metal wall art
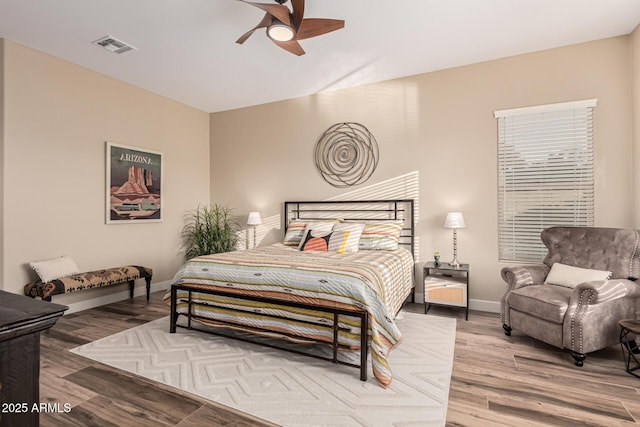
346,154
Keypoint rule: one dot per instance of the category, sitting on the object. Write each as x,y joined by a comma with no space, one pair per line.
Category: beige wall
438,127
635,85
436,132
57,119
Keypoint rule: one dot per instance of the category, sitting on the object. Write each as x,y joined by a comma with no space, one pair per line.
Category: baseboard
487,306
477,304
115,297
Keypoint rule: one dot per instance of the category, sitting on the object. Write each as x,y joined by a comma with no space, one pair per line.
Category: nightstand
446,285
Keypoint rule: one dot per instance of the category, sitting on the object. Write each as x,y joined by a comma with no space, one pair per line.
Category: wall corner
635,117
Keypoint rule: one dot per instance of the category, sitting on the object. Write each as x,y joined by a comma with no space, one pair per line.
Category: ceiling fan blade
313,27
291,46
266,21
278,11
298,12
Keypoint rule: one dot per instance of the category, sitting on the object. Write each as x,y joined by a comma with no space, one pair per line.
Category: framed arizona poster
134,185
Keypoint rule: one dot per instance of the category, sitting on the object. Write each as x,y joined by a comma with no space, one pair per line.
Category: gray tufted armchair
585,318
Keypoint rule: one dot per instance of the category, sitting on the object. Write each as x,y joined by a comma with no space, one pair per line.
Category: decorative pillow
570,276
381,236
296,229
339,241
346,237
316,240
320,226
294,233
55,268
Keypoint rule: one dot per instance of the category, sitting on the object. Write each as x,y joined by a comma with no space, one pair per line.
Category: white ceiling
186,49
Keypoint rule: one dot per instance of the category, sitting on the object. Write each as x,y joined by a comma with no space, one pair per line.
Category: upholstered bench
90,280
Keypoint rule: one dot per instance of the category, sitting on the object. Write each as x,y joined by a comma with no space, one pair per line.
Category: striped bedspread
375,281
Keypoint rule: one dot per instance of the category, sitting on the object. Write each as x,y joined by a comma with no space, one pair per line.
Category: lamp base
455,263
254,237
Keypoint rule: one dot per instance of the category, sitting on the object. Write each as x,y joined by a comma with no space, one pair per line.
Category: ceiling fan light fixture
280,32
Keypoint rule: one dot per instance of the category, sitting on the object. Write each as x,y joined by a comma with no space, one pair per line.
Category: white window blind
545,174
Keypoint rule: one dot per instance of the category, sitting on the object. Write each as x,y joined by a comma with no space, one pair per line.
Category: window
545,174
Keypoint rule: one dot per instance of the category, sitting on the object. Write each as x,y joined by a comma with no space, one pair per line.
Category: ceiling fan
285,27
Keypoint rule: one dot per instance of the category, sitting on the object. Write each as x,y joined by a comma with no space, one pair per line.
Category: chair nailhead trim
581,311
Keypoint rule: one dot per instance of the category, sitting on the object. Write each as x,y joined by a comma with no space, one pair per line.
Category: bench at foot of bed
90,280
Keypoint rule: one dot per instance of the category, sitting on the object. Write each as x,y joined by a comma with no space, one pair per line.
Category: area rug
290,389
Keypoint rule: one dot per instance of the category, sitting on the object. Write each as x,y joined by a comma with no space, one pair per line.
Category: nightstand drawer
445,292
446,285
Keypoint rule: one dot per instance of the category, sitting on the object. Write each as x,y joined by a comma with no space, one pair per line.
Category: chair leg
507,330
578,358
632,346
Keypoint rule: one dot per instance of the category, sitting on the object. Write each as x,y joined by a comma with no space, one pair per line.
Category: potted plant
210,230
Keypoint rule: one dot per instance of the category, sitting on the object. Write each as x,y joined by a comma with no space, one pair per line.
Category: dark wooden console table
21,320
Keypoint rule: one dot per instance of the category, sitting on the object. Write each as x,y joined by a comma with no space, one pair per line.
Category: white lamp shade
254,218
454,220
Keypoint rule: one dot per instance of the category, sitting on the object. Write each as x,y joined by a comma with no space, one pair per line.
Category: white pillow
381,236
55,268
346,237
570,277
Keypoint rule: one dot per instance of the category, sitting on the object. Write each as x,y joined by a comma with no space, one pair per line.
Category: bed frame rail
361,314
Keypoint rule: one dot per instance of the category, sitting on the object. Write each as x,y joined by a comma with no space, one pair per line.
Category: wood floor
497,380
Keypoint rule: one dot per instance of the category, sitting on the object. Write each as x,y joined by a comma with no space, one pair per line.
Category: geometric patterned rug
290,389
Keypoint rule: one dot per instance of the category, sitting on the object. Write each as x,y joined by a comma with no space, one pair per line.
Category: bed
325,295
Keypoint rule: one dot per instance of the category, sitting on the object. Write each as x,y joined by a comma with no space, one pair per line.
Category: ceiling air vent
112,44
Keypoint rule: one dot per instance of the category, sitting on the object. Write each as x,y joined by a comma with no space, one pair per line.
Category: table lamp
454,220
254,220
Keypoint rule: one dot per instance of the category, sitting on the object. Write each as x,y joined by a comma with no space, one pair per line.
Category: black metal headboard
362,210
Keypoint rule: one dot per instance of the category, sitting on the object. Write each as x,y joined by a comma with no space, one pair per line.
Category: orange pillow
316,241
